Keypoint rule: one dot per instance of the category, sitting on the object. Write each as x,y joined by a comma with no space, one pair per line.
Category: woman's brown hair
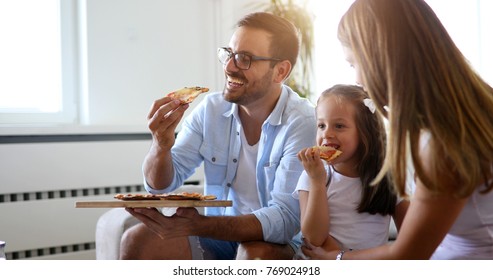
410,64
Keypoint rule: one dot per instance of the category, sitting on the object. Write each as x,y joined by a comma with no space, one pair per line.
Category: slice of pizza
138,196
182,196
166,196
187,196
187,94
328,153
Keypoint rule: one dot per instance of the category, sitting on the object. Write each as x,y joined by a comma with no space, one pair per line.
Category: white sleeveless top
471,236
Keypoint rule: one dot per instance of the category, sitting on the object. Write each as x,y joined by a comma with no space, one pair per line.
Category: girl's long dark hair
379,197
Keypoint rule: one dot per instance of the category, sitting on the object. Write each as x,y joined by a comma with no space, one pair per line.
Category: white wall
136,51
139,50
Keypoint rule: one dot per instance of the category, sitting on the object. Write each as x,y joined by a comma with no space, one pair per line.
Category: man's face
246,86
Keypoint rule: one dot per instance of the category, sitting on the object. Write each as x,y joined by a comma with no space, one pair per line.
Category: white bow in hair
369,103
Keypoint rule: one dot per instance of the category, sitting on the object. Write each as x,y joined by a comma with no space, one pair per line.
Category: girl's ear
282,70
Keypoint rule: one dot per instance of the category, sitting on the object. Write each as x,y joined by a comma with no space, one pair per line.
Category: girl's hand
313,165
327,251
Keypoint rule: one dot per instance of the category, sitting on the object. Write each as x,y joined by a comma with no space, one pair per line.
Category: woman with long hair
440,120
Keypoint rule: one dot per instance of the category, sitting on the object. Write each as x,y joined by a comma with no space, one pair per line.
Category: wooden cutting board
153,203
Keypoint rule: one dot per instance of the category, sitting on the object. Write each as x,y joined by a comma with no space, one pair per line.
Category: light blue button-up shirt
211,134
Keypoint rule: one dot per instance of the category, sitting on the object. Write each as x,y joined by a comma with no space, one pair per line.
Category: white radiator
41,177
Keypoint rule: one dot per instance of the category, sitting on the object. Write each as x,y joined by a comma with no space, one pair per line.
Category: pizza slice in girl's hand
187,94
328,153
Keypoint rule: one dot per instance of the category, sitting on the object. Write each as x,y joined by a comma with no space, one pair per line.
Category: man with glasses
248,137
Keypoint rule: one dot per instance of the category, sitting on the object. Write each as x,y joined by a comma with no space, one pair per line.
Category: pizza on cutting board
167,196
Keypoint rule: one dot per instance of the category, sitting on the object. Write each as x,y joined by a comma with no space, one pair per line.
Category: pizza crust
187,94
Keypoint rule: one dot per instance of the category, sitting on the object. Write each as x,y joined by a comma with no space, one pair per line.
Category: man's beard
250,92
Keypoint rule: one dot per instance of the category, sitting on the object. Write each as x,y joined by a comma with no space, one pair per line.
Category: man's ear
282,71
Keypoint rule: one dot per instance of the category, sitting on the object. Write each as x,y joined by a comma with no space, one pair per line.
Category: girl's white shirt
351,229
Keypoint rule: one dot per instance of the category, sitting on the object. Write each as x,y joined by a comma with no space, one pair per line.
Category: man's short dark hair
285,41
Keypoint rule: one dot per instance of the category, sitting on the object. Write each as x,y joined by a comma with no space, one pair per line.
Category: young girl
339,198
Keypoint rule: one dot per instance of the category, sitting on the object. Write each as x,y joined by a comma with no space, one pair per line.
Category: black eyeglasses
242,60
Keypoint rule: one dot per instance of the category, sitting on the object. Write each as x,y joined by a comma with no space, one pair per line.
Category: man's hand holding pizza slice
166,113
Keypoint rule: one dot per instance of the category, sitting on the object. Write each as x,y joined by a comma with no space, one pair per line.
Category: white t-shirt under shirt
351,229
245,185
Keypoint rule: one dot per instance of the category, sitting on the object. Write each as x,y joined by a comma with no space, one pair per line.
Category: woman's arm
400,213
429,218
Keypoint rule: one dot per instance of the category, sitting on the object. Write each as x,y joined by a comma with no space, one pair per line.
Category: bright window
467,22
37,55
